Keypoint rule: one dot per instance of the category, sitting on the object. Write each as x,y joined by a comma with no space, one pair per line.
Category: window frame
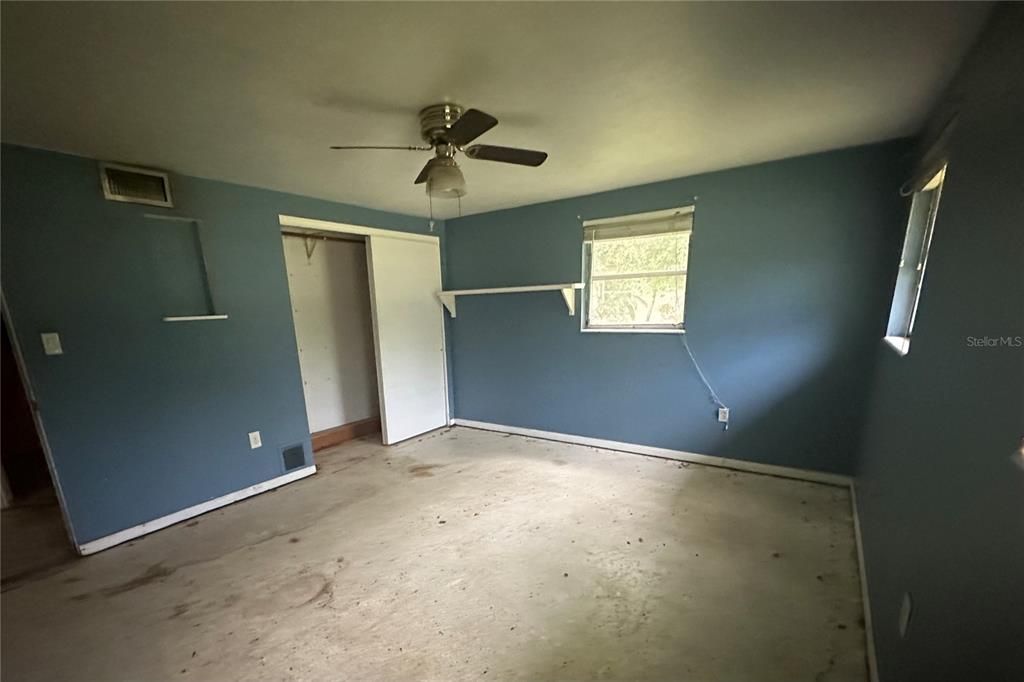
588,277
917,240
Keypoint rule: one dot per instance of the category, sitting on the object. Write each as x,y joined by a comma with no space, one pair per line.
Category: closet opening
330,297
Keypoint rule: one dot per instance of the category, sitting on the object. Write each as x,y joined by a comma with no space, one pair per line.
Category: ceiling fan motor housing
435,121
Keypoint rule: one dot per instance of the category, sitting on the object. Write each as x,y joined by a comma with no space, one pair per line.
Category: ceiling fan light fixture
445,180
447,129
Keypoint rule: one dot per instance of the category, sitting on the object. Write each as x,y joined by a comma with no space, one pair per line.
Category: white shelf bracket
568,291
448,300
569,294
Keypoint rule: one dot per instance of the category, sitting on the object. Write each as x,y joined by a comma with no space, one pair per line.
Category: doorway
369,329
330,295
32,528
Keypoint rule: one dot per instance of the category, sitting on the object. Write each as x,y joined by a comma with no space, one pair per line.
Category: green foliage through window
637,281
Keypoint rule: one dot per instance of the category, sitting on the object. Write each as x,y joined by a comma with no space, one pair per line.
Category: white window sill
900,344
624,330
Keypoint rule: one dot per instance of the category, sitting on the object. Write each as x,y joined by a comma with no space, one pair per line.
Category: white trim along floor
127,534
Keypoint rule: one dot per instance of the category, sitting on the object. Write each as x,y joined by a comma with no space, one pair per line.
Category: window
912,264
635,271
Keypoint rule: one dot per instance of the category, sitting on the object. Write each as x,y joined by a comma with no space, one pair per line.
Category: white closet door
408,328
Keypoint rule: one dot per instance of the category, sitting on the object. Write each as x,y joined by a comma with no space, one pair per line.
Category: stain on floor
554,561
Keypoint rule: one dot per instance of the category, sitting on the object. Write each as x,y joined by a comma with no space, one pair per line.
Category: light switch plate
254,440
51,343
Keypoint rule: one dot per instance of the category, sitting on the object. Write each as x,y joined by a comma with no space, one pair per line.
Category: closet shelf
568,293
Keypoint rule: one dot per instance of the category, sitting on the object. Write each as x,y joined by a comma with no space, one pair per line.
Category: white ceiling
618,93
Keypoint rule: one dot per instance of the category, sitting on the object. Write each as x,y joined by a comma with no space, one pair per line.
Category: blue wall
941,501
788,289
144,417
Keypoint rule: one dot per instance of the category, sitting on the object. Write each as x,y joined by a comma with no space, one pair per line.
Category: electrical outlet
723,415
254,440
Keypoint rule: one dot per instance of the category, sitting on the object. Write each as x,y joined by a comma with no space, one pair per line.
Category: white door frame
30,394
329,226
313,224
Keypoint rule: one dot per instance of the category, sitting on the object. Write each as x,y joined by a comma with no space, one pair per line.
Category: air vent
135,185
294,457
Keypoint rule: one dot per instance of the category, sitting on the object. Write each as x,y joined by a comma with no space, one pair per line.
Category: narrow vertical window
907,294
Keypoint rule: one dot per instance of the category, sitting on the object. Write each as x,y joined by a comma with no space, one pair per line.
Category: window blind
639,225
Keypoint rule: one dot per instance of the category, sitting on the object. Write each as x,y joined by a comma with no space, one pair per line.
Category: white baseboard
127,534
665,453
869,632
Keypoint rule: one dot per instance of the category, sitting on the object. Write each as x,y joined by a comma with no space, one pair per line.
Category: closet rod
317,235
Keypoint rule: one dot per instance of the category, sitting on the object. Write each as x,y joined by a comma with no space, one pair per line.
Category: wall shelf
193,318
568,294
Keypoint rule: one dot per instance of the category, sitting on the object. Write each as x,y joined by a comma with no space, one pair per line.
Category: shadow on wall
359,368
770,382
814,369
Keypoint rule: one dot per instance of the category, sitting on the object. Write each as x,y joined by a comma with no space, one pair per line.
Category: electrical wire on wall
707,384
723,409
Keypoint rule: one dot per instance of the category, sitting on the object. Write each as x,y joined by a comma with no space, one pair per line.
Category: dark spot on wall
293,540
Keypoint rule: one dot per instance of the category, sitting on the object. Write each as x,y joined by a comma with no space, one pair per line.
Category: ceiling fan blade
408,149
522,157
425,173
472,124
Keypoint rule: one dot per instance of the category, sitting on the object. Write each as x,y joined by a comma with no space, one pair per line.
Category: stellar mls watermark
995,341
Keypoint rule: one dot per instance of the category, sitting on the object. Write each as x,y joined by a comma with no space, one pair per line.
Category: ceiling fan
447,129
